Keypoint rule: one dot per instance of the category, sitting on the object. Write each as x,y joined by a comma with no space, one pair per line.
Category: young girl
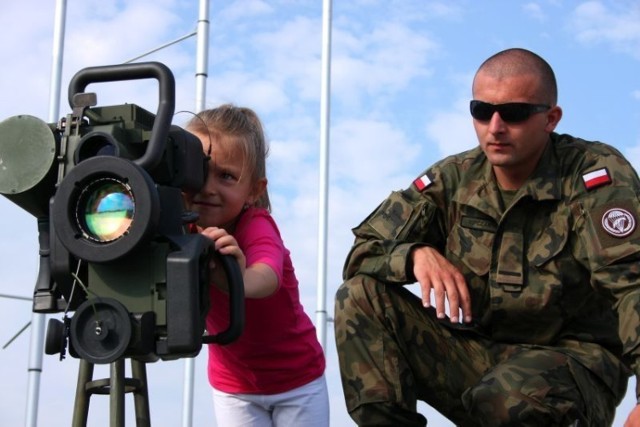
273,375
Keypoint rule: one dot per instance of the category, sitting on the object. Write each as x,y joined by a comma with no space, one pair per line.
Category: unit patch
618,222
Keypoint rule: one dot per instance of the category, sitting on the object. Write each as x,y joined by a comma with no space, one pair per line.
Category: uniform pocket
470,247
550,240
396,217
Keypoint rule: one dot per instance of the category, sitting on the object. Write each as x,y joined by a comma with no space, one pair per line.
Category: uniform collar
546,182
479,189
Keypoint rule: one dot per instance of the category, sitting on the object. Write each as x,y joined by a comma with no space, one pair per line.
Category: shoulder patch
422,182
618,222
596,178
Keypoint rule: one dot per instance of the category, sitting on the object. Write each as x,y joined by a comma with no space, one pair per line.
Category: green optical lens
105,210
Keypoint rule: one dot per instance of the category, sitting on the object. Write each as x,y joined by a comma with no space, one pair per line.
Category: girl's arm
260,280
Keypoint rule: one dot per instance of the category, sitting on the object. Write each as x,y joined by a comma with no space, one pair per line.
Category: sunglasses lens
515,112
511,112
482,111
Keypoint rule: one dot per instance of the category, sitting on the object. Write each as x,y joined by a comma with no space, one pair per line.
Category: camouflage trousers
394,352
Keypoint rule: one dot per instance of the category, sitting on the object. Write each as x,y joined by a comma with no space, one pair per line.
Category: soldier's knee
353,293
490,401
354,304
499,406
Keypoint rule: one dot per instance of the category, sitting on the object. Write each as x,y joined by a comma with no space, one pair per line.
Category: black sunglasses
511,112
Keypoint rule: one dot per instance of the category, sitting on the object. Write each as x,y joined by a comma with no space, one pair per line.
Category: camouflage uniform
554,278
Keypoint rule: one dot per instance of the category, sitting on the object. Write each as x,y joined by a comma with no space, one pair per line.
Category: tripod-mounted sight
106,185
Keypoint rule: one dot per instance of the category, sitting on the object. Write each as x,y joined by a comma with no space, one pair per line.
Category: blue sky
401,77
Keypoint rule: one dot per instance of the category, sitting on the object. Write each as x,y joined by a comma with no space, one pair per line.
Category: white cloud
379,62
26,50
371,154
405,11
617,24
633,155
453,130
241,10
115,38
291,54
534,10
239,88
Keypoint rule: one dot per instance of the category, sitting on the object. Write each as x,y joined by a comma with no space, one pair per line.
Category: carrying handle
166,99
236,303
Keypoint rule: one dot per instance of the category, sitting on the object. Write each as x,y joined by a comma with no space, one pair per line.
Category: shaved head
517,62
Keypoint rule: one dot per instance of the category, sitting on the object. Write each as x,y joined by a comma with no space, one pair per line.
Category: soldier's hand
435,273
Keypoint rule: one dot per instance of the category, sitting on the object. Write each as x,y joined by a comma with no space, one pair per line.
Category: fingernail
467,319
454,319
440,315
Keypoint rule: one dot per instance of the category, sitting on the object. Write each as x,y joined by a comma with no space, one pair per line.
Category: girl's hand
225,244
260,280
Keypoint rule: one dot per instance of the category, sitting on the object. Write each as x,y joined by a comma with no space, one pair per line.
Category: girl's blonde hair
239,125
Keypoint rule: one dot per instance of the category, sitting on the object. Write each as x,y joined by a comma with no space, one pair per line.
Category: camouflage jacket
558,267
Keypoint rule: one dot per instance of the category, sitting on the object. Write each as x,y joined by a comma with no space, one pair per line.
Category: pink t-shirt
278,349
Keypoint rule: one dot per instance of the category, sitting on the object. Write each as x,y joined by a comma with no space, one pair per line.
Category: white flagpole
202,49
37,319
325,101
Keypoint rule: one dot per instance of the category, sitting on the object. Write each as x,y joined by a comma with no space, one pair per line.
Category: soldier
532,240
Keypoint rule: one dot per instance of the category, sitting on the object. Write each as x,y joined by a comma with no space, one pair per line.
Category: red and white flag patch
596,178
422,182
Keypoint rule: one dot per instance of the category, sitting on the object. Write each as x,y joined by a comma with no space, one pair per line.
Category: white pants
305,406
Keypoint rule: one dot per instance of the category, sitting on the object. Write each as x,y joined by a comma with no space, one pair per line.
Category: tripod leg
116,386
116,394
141,394
81,407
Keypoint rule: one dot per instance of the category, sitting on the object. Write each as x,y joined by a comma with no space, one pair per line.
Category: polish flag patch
596,178
422,182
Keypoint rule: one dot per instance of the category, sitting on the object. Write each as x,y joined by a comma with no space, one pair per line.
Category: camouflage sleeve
608,215
384,240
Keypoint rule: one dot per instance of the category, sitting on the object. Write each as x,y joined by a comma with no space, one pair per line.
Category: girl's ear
259,188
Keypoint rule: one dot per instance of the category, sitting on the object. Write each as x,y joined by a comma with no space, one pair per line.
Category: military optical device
106,186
